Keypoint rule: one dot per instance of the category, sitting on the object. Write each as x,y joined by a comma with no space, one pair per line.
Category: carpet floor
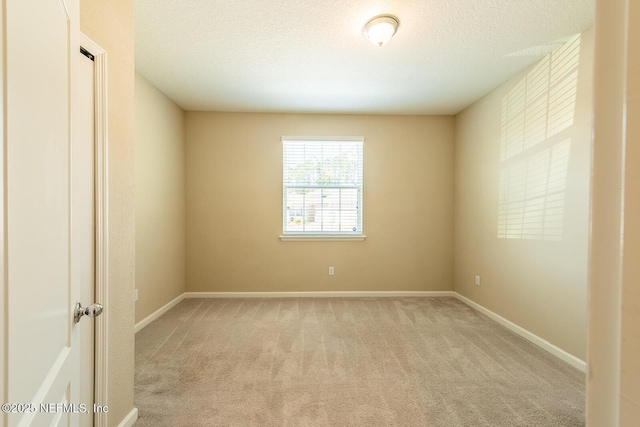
346,362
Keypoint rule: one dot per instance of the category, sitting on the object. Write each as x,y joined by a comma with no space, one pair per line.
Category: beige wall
630,351
534,274
234,205
613,387
160,199
110,25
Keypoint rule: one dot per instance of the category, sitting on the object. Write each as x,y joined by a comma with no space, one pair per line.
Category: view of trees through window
322,186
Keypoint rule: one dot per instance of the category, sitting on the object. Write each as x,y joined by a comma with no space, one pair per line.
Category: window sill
321,238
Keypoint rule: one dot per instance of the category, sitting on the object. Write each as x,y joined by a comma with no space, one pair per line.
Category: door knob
92,310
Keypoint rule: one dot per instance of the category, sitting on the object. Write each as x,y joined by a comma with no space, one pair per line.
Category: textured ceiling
311,56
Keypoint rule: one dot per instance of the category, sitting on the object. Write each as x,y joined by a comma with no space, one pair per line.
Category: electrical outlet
477,280
135,295
331,271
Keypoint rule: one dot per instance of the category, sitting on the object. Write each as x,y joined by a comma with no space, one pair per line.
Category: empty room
360,213
334,228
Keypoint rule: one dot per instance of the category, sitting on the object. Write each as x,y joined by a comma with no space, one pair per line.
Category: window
322,187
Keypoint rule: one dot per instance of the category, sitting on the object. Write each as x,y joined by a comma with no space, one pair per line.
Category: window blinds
322,185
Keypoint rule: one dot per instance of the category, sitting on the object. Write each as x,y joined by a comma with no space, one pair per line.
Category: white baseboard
320,294
529,336
159,312
130,419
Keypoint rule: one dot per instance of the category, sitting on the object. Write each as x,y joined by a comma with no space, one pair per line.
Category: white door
43,357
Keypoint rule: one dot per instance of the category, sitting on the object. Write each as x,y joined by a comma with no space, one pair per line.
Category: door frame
101,361
3,206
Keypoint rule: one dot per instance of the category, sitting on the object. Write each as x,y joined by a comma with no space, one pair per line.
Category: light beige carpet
346,362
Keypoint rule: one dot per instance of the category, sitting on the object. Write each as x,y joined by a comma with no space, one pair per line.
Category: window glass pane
322,186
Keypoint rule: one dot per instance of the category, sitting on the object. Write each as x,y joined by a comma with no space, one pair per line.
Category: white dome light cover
380,29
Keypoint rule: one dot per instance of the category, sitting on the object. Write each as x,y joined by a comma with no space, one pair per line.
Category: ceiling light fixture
380,29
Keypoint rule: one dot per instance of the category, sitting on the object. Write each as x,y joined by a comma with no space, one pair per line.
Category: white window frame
318,235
